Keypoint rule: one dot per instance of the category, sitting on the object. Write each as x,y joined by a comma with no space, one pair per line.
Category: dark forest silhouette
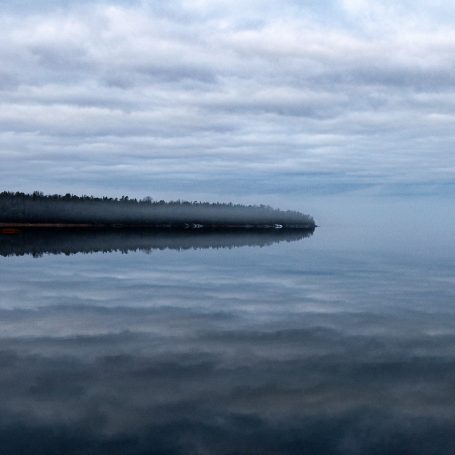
20,208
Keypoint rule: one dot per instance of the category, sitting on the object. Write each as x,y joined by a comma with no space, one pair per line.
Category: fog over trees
37,208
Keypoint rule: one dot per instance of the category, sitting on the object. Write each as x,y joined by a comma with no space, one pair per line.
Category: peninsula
20,211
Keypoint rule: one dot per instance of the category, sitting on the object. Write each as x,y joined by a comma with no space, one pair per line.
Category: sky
262,101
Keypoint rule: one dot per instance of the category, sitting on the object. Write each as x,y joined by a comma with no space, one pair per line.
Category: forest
18,208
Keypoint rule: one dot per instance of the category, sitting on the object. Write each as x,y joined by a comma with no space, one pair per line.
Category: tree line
18,207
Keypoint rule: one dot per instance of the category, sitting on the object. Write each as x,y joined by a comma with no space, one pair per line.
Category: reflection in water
37,242
245,351
310,390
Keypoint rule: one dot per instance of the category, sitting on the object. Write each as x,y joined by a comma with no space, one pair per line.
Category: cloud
135,91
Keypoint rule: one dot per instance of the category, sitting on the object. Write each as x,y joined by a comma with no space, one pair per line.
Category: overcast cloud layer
198,97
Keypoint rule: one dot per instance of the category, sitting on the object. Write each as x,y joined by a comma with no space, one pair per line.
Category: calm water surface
343,342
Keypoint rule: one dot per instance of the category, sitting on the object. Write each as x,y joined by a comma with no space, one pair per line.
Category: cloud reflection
227,352
247,392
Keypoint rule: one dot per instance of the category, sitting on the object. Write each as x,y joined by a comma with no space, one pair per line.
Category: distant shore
19,211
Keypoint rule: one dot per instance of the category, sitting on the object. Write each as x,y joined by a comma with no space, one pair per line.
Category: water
342,343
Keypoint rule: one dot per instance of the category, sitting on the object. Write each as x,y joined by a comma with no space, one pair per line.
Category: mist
70,209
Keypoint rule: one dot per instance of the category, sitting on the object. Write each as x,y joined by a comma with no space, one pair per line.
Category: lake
341,342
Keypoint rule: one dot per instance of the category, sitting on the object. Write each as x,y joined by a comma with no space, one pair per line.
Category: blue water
341,343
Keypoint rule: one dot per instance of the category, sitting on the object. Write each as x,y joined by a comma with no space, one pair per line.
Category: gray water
343,342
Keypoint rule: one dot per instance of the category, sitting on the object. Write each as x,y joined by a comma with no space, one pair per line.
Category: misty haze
37,209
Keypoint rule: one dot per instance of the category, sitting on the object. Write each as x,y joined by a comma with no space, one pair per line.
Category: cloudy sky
224,99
